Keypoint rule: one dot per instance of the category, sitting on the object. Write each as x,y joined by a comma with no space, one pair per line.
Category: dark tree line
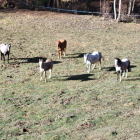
108,8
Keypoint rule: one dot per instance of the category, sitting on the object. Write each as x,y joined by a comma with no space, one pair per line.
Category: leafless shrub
106,8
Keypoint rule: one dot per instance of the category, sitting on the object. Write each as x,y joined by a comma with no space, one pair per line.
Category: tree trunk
115,9
133,5
49,3
100,6
20,4
104,7
57,3
54,3
129,9
119,14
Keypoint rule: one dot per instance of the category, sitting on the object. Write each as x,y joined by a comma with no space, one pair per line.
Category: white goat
5,50
92,59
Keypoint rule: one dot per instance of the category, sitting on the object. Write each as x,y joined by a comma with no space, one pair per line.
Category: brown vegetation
99,7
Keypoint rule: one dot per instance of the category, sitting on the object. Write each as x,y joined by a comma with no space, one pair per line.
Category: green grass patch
73,104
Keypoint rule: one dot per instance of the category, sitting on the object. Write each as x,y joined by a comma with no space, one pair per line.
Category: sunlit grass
73,104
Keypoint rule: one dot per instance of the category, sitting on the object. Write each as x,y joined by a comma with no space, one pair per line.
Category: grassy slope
73,104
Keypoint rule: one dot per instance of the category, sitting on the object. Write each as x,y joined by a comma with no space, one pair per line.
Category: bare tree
49,2
119,14
53,3
130,7
104,7
133,5
100,5
57,3
115,10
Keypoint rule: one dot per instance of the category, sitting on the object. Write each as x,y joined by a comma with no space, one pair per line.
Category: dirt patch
86,125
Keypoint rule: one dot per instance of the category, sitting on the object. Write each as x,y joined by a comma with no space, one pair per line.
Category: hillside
73,104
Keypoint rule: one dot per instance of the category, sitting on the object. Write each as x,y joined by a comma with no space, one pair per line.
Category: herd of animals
121,66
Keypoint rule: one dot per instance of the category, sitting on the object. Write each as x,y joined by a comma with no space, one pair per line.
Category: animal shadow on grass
109,68
113,68
36,60
132,66
82,77
132,79
75,55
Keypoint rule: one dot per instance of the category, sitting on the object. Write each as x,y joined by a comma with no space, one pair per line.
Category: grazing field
73,104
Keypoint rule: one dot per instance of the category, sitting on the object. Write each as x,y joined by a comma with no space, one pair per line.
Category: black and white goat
5,50
122,66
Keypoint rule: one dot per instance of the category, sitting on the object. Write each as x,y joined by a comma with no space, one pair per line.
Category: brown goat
61,44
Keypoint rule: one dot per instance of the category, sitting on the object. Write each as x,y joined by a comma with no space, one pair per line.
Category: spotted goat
122,66
45,66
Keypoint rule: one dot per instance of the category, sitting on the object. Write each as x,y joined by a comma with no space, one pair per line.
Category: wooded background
117,9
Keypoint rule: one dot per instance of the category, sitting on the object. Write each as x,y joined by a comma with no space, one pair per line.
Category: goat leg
8,57
117,75
45,76
89,65
50,73
65,52
99,65
41,76
94,66
61,53
58,54
120,75
4,58
126,73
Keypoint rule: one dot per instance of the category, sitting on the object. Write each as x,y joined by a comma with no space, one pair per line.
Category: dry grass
73,104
